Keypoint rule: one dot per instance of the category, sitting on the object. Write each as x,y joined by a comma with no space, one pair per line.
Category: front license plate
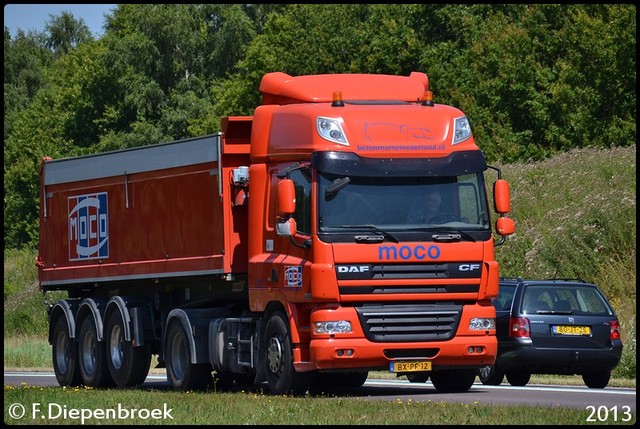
571,330
410,366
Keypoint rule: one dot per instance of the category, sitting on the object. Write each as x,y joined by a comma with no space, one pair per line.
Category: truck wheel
65,355
490,375
128,365
453,380
418,377
518,378
92,358
282,377
596,380
353,380
181,373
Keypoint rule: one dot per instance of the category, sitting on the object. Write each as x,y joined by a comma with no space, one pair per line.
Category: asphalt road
609,401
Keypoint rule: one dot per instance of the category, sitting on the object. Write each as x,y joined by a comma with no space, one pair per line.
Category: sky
35,16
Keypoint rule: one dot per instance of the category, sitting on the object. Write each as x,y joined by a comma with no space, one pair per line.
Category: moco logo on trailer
88,227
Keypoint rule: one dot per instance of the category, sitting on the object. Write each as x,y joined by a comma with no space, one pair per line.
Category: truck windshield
402,203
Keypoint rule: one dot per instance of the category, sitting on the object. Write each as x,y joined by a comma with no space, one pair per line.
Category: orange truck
301,247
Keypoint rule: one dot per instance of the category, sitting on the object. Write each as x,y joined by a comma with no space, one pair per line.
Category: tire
596,380
453,380
92,356
181,373
418,377
65,355
128,365
352,380
490,375
518,378
282,377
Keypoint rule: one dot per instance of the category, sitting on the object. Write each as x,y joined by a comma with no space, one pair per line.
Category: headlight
330,129
332,327
461,130
482,324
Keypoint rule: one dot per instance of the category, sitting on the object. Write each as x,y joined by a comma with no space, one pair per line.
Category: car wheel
596,380
518,378
490,375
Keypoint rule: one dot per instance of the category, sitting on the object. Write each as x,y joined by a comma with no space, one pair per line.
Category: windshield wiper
444,233
368,238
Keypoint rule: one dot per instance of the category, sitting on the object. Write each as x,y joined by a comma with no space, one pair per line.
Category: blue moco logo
88,227
419,252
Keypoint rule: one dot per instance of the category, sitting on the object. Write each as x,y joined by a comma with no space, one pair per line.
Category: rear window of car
570,299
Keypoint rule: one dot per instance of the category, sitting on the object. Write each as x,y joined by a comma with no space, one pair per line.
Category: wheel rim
275,355
62,353
484,372
89,352
115,347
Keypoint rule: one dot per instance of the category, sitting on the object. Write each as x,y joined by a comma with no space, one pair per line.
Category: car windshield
573,299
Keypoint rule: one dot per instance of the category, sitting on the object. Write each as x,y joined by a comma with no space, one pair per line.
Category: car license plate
409,366
571,330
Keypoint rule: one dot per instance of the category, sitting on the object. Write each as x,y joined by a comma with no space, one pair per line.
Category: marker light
337,99
427,99
461,130
330,129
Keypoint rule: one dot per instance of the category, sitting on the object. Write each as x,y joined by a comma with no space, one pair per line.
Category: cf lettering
469,267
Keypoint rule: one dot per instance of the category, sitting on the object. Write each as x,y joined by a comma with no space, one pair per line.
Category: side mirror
505,226
286,228
286,197
502,196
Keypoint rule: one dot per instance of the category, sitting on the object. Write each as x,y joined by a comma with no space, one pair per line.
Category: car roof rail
518,278
579,280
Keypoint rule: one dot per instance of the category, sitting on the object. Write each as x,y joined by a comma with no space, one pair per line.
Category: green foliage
534,80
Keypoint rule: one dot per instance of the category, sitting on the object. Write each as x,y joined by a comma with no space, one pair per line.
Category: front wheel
65,355
282,377
453,380
490,375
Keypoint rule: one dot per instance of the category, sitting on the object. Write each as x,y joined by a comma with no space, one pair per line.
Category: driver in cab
429,207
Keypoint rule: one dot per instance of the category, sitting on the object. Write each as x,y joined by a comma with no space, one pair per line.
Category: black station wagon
562,327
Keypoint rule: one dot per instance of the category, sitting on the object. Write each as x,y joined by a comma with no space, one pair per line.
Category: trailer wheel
92,357
65,355
282,377
181,373
453,380
128,365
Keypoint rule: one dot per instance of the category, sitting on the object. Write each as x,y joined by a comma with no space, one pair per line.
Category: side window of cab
302,180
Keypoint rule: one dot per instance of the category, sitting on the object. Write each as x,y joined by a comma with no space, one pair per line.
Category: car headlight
482,324
332,327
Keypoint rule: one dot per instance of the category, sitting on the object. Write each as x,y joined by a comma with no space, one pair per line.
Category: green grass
252,408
